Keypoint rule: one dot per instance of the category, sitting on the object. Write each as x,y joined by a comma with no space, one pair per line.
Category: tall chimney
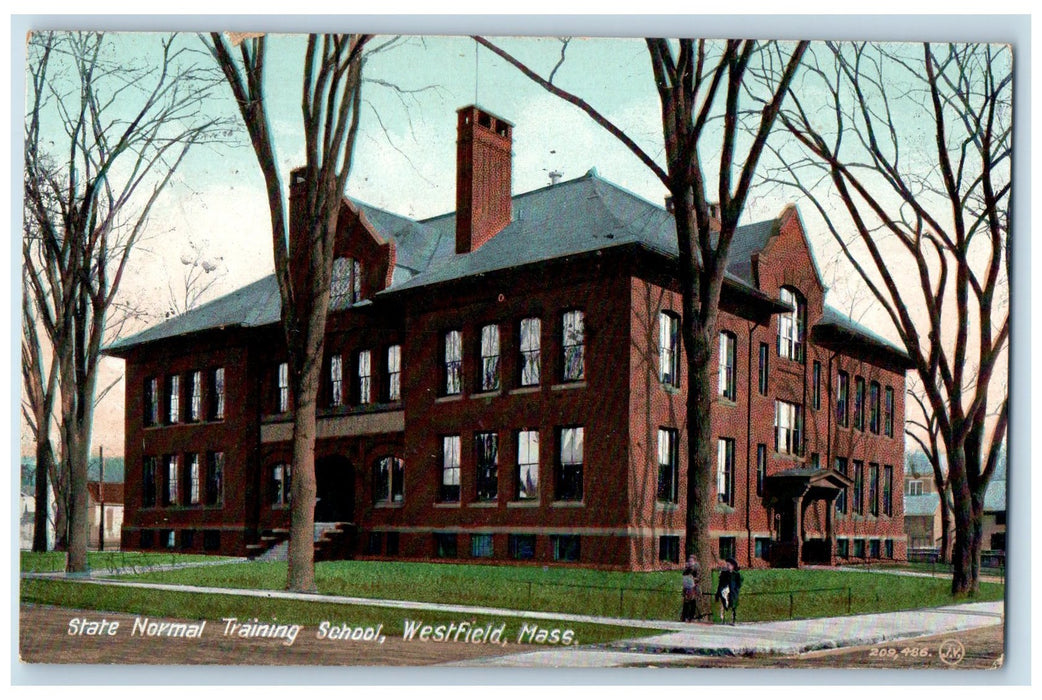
483,206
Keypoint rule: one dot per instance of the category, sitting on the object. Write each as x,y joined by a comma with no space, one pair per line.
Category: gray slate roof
924,504
571,218
834,317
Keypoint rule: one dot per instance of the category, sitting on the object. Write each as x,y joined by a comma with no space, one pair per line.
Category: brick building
506,383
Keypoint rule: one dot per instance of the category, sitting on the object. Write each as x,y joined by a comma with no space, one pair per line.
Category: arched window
792,325
345,286
388,475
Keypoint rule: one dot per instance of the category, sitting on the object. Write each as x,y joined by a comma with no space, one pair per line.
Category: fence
664,603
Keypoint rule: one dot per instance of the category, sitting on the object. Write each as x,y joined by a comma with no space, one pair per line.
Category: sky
405,157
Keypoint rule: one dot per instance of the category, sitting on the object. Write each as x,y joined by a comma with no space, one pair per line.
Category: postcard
483,351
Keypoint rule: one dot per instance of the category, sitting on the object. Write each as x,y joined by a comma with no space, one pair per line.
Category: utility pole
101,499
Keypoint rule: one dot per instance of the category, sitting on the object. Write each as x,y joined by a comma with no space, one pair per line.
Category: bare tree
103,137
331,99
915,144
699,83
200,271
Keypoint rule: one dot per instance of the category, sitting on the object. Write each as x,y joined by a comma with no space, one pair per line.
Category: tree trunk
700,458
60,488
300,575
964,581
76,562
44,466
946,530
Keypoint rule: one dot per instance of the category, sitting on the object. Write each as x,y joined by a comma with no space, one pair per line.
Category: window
873,489
450,453
489,380
669,348
374,543
530,367
445,545
859,548
791,325
195,394
815,461
215,479
481,545
283,387
859,487
336,380
843,547
167,538
172,475
859,403
726,547
173,395
915,487
888,490
194,480
566,547
843,399
762,547
888,412
365,378
388,480
527,464
148,482
147,539
569,482
669,548
764,374
211,540
573,338
667,465
392,544
487,447
187,539
761,467
725,471
281,486
394,373
816,386
873,549
216,397
151,401
873,407
521,546
453,362
888,548
841,499
345,286
787,420
727,378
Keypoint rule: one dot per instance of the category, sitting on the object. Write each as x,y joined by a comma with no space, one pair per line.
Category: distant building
107,496
507,383
26,522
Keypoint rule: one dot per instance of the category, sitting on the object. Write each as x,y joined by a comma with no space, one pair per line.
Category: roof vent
555,177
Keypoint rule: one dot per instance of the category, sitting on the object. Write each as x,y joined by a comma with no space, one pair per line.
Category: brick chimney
483,206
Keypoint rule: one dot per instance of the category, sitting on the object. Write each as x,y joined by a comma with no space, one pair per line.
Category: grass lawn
40,562
198,606
767,594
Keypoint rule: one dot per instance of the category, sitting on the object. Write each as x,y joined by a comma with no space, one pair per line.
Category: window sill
724,401
525,390
449,398
723,508
581,384
523,504
447,505
388,504
666,506
487,394
483,504
568,504
670,388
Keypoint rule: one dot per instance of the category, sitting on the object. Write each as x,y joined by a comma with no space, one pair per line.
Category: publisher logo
952,652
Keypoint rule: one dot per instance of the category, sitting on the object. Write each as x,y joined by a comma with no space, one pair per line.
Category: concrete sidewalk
765,638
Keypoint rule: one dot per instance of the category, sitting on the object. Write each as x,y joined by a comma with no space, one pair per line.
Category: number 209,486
893,652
